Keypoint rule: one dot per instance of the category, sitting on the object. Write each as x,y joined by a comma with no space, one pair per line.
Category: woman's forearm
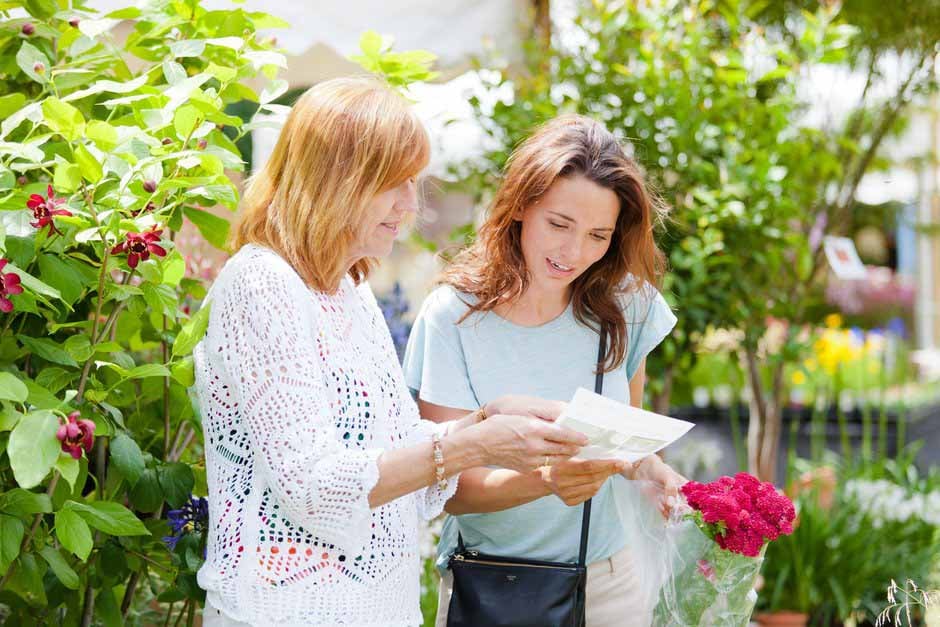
406,470
483,490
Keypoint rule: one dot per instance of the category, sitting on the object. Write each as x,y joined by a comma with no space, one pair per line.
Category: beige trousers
614,597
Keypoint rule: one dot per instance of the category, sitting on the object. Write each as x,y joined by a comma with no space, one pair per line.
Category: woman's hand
576,480
525,406
523,443
666,481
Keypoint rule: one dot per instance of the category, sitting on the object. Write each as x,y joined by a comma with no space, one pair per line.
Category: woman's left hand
667,481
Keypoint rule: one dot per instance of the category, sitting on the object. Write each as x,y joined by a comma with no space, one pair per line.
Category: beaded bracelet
438,461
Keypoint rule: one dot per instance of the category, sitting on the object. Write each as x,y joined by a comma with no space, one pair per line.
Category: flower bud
166,141
150,186
39,67
74,22
28,29
202,144
21,180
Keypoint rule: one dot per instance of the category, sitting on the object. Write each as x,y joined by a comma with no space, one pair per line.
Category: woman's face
384,217
567,230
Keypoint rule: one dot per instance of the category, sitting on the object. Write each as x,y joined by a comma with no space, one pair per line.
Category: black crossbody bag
498,591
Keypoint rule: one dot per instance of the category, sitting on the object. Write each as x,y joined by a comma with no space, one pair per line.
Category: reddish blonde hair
345,141
493,268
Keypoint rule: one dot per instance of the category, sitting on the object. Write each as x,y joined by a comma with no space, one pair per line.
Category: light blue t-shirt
468,364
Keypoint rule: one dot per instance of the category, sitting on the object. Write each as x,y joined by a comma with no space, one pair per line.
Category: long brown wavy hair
493,268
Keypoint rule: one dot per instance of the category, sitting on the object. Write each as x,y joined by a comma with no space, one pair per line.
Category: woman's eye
599,238
556,225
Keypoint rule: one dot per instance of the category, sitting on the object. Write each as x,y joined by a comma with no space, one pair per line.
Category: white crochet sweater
300,392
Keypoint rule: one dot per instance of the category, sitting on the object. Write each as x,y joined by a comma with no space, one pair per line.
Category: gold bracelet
480,414
438,461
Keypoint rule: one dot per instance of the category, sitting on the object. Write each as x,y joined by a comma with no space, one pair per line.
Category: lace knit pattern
300,392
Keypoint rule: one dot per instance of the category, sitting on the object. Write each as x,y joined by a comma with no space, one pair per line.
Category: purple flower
139,246
9,286
45,209
394,306
897,327
76,435
193,516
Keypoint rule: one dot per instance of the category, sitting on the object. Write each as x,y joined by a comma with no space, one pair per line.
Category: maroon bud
150,186
28,29
219,126
21,181
167,141
74,22
150,207
202,144
39,67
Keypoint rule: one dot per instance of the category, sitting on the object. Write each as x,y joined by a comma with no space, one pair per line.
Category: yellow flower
833,321
810,365
798,378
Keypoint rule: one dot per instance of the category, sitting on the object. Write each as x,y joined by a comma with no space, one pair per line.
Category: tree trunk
766,417
661,399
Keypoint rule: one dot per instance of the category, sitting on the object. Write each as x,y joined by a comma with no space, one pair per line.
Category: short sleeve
651,320
434,364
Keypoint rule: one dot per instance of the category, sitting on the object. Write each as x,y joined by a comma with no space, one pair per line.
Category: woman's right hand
523,443
576,480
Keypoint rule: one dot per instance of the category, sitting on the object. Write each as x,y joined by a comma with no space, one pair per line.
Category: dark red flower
28,29
76,434
45,209
139,246
9,285
150,186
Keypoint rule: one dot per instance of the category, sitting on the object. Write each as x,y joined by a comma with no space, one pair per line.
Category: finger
563,435
601,466
546,410
561,451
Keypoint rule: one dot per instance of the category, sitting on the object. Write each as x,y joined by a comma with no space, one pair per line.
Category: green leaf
11,103
11,536
33,448
21,503
60,567
188,48
40,397
148,370
127,458
79,347
371,44
212,227
176,480
102,133
61,275
223,74
73,532
184,372
54,378
89,166
63,118
11,388
185,120
192,332
109,517
146,494
9,417
48,350
67,176
174,268
31,283
27,579
27,58
69,468
107,609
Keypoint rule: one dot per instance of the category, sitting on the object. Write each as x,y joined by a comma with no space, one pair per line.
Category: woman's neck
535,307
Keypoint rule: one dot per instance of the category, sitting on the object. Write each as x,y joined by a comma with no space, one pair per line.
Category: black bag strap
598,389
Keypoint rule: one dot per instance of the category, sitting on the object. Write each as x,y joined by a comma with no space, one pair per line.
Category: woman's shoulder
445,305
639,299
259,271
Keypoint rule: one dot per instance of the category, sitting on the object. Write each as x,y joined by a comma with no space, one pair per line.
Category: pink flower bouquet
715,550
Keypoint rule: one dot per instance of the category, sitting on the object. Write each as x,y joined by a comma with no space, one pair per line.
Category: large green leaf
11,103
63,118
212,227
11,535
69,468
48,350
109,517
146,495
127,457
33,448
73,533
62,275
192,332
11,388
89,166
21,503
60,567
176,479
28,58
67,176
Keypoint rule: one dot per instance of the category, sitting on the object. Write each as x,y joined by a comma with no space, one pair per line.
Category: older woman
318,463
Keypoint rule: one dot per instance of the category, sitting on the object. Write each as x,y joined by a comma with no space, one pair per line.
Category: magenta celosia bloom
742,513
45,209
76,434
139,246
9,285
